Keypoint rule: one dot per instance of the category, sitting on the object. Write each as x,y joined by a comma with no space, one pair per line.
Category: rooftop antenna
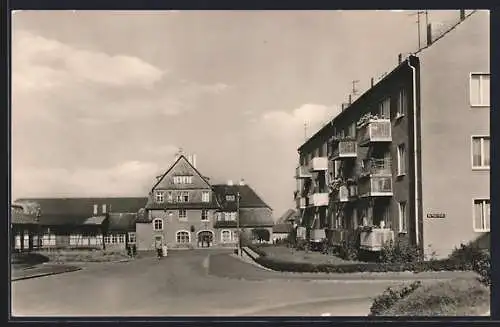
418,13
354,89
305,131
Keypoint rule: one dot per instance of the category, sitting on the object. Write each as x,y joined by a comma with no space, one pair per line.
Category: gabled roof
122,222
248,197
287,216
282,228
76,211
181,157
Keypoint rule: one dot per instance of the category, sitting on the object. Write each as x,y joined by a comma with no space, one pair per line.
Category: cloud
36,58
130,178
289,126
54,81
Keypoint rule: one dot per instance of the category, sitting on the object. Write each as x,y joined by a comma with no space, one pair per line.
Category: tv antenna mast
354,89
305,131
418,13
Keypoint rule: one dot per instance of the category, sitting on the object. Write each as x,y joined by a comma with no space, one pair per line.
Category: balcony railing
344,149
375,239
317,235
319,164
375,186
318,199
378,167
342,194
302,172
375,131
301,202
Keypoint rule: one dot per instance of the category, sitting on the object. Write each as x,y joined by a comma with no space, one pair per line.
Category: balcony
375,239
302,172
317,235
342,194
344,149
375,131
375,186
318,199
301,202
319,164
377,167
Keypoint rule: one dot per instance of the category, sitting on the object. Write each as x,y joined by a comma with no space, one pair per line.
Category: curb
73,269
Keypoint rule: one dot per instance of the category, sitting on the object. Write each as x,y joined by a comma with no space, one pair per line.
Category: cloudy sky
101,101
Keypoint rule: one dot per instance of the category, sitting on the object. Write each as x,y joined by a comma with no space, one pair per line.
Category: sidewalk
41,270
227,266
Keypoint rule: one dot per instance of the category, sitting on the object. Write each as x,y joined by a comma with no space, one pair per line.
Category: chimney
230,182
429,34
400,58
371,82
462,14
193,160
350,99
242,182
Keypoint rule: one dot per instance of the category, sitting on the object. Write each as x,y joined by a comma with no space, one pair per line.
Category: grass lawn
460,297
61,256
284,253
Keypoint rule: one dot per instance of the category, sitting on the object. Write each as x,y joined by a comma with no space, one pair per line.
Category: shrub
399,252
257,250
390,296
301,245
482,267
349,248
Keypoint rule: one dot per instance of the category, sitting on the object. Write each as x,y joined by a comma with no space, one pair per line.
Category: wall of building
449,184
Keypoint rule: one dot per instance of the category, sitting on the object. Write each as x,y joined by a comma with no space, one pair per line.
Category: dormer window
159,198
230,198
183,179
95,209
104,208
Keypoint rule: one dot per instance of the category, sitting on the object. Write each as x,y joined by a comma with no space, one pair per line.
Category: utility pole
238,221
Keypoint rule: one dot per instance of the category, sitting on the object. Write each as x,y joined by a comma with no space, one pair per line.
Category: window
205,197
95,209
114,239
481,215
107,239
480,90
402,104
75,239
183,179
403,217
132,237
182,214
158,224
235,235
183,197
159,197
481,152
401,159
230,198
226,236
104,208
182,237
170,197
385,109
121,238
233,216
204,215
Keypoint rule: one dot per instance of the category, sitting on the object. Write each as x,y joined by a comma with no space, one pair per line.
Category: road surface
180,285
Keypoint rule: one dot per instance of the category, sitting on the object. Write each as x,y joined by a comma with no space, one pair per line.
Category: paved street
180,285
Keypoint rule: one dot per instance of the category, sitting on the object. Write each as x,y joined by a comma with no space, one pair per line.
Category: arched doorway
205,238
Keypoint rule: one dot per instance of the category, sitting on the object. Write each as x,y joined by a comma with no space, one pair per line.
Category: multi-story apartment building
410,157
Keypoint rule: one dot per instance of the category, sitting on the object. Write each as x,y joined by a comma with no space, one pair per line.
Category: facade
284,226
185,211
408,159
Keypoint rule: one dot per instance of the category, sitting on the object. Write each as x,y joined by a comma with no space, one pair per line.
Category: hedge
452,264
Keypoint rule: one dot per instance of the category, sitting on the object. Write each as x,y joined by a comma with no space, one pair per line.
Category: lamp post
238,221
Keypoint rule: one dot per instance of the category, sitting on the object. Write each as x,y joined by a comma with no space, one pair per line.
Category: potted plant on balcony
335,184
365,119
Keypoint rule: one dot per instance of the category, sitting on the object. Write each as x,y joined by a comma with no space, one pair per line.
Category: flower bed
61,256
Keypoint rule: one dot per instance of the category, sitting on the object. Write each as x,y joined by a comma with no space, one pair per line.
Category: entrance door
205,239
158,241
